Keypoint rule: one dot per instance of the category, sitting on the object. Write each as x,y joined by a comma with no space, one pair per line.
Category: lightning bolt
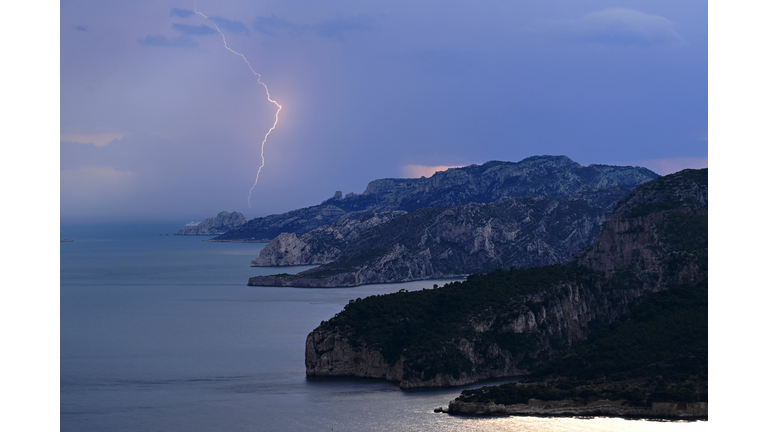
269,98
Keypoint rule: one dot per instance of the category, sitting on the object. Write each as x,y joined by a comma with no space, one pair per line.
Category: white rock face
441,242
319,246
219,224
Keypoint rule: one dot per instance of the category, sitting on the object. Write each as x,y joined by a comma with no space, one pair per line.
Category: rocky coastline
445,242
546,323
537,321
321,245
575,408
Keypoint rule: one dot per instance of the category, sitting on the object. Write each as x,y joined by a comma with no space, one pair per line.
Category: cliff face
499,341
506,322
221,223
439,242
658,232
321,245
552,176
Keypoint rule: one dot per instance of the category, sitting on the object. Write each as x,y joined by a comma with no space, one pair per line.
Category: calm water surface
160,333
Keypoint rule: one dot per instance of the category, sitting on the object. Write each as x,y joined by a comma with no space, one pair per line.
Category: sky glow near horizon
159,121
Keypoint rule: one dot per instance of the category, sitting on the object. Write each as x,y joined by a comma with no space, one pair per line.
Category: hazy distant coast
219,224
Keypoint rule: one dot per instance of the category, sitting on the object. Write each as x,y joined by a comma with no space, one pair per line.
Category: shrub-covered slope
498,324
656,353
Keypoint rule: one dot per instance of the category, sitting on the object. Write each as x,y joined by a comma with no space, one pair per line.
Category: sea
160,333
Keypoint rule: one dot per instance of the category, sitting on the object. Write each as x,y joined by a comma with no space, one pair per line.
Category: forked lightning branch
269,98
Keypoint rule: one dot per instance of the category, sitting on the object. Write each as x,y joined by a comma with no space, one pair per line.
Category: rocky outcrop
221,223
330,354
321,245
441,242
570,408
492,182
658,232
486,345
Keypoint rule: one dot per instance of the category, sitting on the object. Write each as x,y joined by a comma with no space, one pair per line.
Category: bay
160,332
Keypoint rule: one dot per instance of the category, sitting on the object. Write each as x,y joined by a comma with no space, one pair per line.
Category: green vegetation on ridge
656,353
424,321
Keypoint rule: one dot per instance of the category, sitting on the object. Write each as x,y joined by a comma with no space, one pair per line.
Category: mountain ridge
492,181
454,241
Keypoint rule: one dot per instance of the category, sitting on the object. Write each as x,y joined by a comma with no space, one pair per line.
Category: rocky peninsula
578,408
219,224
321,245
518,321
455,241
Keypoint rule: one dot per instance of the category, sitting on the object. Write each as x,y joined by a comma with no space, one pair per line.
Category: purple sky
159,121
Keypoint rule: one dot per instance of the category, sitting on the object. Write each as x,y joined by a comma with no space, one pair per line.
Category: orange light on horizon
417,171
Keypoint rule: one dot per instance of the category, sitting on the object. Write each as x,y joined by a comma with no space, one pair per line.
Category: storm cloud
234,26
194,30
182,13
162,41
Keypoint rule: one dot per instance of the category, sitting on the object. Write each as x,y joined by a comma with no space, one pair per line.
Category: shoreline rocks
571,408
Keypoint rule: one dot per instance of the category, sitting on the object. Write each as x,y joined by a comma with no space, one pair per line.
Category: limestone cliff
440,242
221,223
658,232
321,245
491,340
491,182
